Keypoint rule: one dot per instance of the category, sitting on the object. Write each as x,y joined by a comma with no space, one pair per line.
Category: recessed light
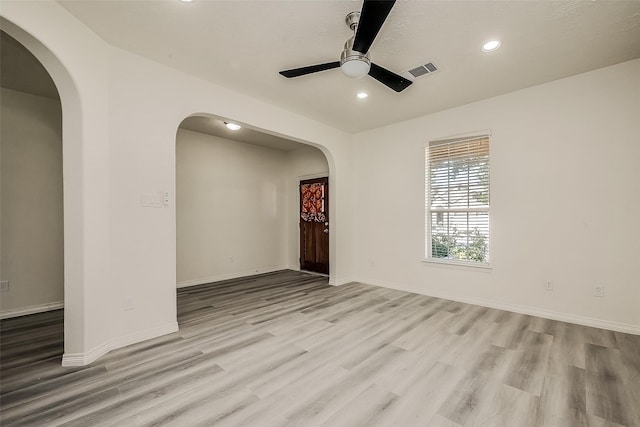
232,126
491,45
186,1
362,95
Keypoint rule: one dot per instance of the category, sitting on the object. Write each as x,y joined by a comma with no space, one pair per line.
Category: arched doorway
237,200
74,313
32,251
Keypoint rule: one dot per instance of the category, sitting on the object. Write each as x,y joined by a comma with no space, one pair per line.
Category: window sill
458,264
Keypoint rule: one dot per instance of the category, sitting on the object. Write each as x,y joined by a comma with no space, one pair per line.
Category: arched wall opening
237,199
31,205
74,327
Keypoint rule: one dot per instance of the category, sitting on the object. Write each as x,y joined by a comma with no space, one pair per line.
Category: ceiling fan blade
388,78
372,16
297,72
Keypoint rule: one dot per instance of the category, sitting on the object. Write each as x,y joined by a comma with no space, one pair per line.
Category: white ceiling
216,127
243,44
21,71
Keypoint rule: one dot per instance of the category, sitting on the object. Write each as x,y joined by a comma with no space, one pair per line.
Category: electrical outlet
4,286
548,285
129,303
598,291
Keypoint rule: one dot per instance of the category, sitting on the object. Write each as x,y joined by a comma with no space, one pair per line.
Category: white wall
230,208
31,236
146,105
565,200
304,162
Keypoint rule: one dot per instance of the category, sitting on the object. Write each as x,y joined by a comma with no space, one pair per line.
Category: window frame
427,212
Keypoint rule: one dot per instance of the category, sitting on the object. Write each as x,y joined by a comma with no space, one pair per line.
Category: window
457,200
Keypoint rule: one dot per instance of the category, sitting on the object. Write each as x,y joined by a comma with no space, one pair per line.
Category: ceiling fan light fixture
355,68
354,64
232,126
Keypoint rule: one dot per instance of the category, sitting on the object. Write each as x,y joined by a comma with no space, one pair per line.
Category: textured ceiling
243,44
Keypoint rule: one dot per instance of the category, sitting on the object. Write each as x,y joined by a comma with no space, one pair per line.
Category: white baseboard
229,276
339,281
532,311
82,359
32,309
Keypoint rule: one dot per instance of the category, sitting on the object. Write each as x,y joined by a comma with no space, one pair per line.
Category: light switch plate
4,286
152,200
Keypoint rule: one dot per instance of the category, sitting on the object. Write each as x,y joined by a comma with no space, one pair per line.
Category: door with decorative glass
314,225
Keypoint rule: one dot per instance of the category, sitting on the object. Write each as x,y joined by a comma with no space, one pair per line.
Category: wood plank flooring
287,349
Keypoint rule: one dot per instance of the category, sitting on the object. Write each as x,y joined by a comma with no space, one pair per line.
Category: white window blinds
457,199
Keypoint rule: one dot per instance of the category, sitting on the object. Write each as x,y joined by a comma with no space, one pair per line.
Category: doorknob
326,230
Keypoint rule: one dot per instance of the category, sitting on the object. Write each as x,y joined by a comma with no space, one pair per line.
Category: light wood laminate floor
287,349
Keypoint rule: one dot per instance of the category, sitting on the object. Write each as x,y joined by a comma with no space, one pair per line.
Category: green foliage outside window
449,246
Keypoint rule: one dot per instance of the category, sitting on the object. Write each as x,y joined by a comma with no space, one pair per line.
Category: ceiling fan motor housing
354,64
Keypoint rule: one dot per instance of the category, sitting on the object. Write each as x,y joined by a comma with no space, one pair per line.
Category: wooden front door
314,225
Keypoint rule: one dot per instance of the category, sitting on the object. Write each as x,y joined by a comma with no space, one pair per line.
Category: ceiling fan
354,60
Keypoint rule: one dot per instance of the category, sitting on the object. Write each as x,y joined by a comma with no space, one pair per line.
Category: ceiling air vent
427,68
